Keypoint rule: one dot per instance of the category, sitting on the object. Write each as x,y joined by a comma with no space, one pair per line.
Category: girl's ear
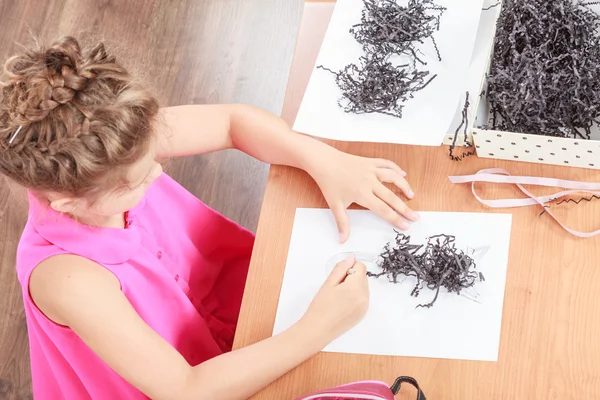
63,205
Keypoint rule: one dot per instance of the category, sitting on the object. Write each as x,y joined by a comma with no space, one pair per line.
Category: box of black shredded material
566,93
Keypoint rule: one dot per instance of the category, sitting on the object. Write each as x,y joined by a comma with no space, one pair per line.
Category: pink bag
365,390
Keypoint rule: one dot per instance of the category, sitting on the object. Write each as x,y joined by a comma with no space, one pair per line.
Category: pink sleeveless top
181,265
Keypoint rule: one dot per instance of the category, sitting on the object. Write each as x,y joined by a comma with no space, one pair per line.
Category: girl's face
108,209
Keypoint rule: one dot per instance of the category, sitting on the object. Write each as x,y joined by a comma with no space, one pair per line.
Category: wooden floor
190,51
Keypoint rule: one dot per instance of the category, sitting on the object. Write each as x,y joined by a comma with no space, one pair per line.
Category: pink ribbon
497,175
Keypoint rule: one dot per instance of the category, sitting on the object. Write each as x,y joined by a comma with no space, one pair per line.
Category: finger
343,223
389,176
359,278
340,271
396,203
383,210
381,163
356,272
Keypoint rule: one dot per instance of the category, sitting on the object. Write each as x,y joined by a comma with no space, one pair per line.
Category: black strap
407,379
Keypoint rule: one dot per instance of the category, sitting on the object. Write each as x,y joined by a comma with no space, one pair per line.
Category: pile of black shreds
376,85
387,28
545,72
437,264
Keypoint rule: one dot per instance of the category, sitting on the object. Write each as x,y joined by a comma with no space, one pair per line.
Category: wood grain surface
549,347
188,51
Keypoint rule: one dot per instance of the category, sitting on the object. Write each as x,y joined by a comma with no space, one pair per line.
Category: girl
132,287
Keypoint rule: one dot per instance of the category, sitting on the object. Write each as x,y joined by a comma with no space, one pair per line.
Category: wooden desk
550,342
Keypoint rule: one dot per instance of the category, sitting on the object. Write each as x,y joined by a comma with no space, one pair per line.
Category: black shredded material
577,201
570,200
490,7
435,265
464,123
545,69
389,28
376,84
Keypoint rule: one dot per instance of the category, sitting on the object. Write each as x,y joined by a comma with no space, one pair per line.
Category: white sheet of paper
427,117
455,327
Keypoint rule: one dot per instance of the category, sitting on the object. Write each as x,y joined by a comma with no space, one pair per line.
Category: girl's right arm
84,296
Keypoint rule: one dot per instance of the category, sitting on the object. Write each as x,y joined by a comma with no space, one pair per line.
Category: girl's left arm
343,178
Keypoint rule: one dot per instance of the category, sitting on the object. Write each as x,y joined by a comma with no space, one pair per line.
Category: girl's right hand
342,301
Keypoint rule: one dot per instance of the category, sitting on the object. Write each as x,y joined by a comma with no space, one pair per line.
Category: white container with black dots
582,153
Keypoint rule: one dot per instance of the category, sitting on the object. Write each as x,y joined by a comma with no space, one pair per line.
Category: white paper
455,327
427,117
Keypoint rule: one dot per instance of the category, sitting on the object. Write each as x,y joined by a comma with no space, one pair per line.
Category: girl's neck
114,221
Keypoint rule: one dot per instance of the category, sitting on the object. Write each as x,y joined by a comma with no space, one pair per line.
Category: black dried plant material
490,7
464,123
377,86
435,265
545,71
571,200
389,28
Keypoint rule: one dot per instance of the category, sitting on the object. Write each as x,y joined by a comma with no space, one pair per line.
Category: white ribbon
497,175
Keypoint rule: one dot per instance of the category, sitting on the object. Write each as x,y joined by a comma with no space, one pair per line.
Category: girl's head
85,140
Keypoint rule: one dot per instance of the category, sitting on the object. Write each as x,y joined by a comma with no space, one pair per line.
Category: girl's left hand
345,179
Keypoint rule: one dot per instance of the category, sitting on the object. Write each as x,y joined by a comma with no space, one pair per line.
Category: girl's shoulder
58,283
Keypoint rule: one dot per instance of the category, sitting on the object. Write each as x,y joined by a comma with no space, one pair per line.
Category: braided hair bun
83,118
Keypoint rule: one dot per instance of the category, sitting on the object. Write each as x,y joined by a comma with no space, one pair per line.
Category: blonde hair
83,119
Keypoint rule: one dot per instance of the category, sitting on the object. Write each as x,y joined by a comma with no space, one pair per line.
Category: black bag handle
395,388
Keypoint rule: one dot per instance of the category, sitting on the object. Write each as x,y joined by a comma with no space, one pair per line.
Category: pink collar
103,245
